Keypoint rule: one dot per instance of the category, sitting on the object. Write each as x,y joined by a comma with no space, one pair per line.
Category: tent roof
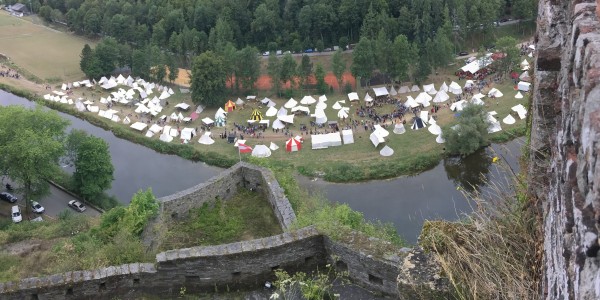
353,96
380,91
272,111
386,151
429,89
290,103
403,89
308,100
183,106
139,126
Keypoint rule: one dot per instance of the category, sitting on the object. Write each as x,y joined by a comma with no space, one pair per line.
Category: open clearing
48,54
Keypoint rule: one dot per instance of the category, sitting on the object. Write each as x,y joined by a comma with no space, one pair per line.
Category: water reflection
470,172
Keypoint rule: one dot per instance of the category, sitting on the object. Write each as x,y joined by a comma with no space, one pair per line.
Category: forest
173,32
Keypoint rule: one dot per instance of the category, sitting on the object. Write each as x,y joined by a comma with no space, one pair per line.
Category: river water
406,202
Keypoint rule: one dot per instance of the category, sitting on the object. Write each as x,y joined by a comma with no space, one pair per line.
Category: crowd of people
7,72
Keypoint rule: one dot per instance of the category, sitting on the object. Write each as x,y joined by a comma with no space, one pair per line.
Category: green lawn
48,54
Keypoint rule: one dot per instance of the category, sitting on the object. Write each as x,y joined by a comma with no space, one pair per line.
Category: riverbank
416,151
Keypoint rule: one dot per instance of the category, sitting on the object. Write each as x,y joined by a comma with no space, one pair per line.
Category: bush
471,131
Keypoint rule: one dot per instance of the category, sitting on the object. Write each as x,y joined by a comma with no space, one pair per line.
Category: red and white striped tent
293,145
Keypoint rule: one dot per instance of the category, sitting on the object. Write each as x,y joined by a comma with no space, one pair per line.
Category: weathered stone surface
564,167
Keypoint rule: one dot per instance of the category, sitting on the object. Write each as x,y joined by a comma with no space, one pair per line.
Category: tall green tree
173,70
287,72
363,62
93,168
471,132
87,60
383,52
401,58
273,69
305,70
31,143
508,46
339,67
247,67
320,78
208,79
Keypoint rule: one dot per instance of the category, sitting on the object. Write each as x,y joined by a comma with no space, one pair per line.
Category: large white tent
429,89
415,88
458,106
423,99
434,129
323,141
261,151
410,102
520,110
282,112
308,100
393,91
523,86
348,136
353,96
188,133
444,87
205,139
403,90
139,126
277,124
287,119
376,139
494,92
454,88
320,117
441,96
271,112
380,91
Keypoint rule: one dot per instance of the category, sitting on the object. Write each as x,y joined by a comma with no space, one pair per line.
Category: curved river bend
405,201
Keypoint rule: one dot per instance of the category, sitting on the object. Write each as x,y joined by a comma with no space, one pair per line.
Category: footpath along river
404,201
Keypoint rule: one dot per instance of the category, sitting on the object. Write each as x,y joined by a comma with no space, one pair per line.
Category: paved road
56,202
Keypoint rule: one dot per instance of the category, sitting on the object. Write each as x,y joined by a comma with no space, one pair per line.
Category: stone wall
236,266
564,146
224,186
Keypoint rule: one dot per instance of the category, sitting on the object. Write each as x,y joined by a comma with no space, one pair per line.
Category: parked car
287,52
279,52
266,53
38,219
16,214
308,50
76,205
503,20
327,50
37,208
8,197
463,53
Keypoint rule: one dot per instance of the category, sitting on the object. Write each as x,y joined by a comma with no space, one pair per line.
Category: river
406,201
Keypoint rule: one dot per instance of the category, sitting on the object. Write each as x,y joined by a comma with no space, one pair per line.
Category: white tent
205,139
494,125
454,88
444,87
165,138
250,97
265,100
509,120
323,141
111,83
434,129
348,136
415,88
278,124
183,106
149,134
287,119
188,133
523,86
376,139
458,106
220,113
174,117
477,101
469,83
121,79
239,101
423,98
429,89
342,114
271,104
164,95
126,121
386,151
321,105
525,65
261,151
301,108
393,91
273,147
320,117
238,142
64,87
424,115
337,105
441,96
155,128
410,102
368,98
353,96
403,90
520,110
79,106
290,103
308,100
139,126
525,76
207,121
322,98
282,112
399,128
170,91
380,131
478,95
439,139
494,92
519,95
271,112
380,91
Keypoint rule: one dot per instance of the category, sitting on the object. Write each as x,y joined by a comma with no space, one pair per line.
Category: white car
37,208
76,205
16,214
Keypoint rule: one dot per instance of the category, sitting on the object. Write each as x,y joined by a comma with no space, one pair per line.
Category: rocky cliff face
564,171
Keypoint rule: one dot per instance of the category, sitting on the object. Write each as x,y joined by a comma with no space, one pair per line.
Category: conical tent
399,128
256,115
229,106
444,87
435,129
220,121
386,151
337,105
278,124
415,88
417,124
441,96
205,139
393,91
293,145
220,112
271,112
273,146
239,101
439,139
282,112
290,103
509,120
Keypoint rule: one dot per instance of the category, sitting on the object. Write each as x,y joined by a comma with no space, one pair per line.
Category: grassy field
246,216
48,54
